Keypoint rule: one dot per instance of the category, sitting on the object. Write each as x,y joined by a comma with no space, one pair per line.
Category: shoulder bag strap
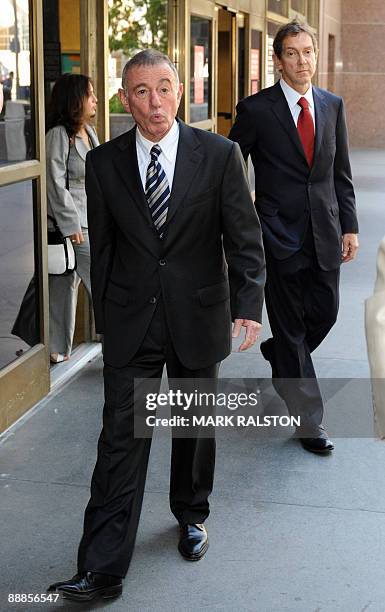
67,171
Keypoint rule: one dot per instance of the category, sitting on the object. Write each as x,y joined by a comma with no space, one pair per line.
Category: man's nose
155,99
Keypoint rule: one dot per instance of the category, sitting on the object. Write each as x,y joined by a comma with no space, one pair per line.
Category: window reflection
16,141
278,6
299,6
134,25
272,75
17,268
255,61
200,79
313,12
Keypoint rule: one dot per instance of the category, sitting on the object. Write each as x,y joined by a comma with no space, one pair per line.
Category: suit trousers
63,297
117,487
302,305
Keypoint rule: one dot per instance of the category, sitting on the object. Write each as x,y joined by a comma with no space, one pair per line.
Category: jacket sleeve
244,130
343,177
101,231
60,201
242,241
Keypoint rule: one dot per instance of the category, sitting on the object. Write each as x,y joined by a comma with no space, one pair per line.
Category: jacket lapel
188,159
282,111
126,163
320,119
93,136
81,148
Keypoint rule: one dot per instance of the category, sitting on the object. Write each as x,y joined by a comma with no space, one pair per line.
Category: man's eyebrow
295,49
145,85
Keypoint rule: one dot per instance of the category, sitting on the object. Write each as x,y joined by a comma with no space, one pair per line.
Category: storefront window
313,12
299,6
200,79
278,6
134,25
241,62
16,129
17,269
272,75
255,61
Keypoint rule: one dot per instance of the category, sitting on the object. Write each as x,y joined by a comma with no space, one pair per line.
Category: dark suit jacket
287,191
210,215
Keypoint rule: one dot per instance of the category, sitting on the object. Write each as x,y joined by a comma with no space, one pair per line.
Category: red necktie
305,129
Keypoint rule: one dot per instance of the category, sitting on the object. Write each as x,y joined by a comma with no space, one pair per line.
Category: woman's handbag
61,253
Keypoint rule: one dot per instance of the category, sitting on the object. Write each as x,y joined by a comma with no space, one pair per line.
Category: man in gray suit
176,254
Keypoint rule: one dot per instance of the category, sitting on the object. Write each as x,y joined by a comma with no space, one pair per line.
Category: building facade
223,51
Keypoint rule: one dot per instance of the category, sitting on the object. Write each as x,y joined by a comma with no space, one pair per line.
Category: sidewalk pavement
289,531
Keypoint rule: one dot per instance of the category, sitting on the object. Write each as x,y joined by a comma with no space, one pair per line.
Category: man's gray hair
293,28
148,57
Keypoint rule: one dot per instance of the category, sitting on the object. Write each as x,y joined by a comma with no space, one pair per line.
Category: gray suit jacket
69,208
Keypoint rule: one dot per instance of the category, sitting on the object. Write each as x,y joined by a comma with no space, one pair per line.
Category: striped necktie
157,190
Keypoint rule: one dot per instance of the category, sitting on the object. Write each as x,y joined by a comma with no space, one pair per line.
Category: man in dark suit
296,136
176,254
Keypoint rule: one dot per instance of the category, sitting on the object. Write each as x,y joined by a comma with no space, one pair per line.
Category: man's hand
252,332
77,238
349,247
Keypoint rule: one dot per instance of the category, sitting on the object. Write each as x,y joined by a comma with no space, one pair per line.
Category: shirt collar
166,143
292,96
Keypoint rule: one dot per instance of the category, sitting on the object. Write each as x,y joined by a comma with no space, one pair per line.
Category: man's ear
180,92
123,98
277,62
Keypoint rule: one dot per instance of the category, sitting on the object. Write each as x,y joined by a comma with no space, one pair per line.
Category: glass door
200,79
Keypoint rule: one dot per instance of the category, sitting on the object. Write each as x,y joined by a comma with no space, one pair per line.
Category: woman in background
68,139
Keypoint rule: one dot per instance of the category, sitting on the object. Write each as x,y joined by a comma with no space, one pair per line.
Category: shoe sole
108,593
195,557
325,451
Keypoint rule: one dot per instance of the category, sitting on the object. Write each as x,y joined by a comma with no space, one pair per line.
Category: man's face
298,61
152,96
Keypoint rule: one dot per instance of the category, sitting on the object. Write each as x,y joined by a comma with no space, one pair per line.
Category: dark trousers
302,305
117,487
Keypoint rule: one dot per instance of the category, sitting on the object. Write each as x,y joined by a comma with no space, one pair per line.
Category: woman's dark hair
67,102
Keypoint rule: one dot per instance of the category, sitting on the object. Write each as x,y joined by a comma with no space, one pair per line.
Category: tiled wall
363,36
359,30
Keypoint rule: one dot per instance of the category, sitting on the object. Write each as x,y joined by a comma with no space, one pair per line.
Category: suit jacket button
152,300
162,262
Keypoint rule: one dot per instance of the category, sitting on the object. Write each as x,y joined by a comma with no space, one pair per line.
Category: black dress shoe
193,541
87,586
317,442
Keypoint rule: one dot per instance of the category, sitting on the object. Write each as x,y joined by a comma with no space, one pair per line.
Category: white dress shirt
292,96
167,158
